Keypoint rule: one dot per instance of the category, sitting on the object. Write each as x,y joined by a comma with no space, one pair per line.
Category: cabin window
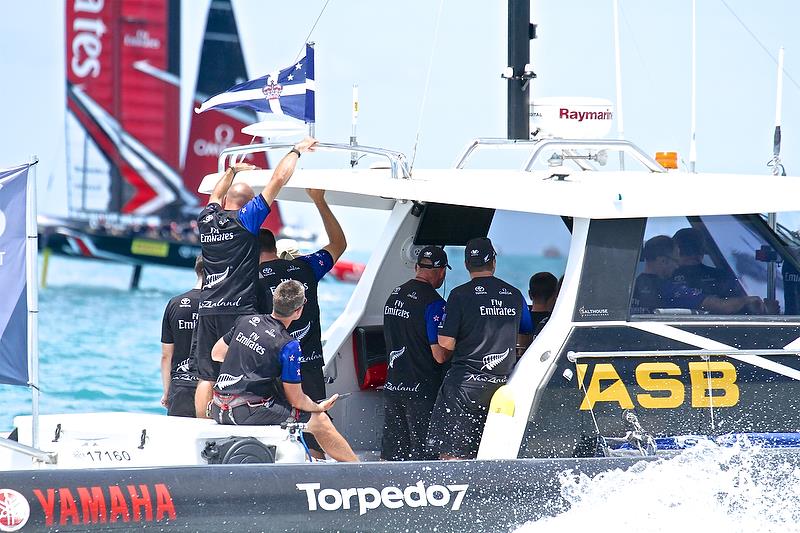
731,265
526,243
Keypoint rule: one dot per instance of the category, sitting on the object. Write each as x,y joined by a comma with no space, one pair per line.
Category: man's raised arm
224,183
337,243
285,169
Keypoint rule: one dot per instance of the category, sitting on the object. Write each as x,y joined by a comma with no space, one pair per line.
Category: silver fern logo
184,366
216,279
301,333
493,359
394,354
226,380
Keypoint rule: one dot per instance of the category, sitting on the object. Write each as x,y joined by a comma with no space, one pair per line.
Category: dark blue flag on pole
14,301
286,92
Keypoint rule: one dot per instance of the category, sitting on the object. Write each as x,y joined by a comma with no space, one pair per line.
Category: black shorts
180,400
209,329
405,429
458,418
312,380
266,413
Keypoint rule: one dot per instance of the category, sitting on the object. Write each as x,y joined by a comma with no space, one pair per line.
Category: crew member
260,379
691,270
411,319
308,270
655,289
229,240
177,364
486,319
542,289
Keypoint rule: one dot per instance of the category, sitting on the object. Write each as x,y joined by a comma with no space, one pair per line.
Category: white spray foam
707,488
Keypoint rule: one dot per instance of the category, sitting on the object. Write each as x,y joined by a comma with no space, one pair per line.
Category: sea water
100,343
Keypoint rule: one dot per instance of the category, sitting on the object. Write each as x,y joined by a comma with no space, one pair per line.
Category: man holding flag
229,228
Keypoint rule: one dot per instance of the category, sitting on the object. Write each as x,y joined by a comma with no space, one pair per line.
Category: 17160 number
99,456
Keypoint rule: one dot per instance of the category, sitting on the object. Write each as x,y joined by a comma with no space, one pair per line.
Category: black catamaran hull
430,496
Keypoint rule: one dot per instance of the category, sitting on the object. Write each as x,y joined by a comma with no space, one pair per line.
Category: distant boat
133,168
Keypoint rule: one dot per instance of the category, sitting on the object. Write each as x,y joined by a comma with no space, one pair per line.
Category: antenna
353,142
618,69
777,169
693,140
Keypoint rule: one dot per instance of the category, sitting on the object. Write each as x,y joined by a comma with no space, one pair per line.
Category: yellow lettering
709,390
645,379
616,392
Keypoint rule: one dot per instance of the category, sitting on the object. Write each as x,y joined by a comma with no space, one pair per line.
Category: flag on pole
13,267
286,92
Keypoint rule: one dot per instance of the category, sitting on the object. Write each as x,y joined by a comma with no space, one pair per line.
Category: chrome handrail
538,145
49,458
596,144
397,160
702,352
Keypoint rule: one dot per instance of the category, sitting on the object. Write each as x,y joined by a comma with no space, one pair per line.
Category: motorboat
604,385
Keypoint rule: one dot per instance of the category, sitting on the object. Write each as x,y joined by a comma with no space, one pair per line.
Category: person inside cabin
229,227
656,289
485,319
543,291
691,270
260,381
308,270
177,364
411,319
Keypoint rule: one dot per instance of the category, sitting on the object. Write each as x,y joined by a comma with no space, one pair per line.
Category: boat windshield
716,265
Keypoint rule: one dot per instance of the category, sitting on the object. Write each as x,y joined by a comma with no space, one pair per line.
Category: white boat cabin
683,369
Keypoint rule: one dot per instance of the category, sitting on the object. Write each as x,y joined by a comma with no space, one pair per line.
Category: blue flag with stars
286,92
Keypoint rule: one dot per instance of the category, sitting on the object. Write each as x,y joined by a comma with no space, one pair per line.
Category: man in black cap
411,319
691,270
485,320
177,364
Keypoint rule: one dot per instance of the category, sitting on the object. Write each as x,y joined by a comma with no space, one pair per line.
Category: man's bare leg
329,439
202,397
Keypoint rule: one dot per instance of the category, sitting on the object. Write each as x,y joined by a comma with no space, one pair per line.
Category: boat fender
502,401
238,450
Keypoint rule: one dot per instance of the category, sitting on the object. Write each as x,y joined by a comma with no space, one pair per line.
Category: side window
718,265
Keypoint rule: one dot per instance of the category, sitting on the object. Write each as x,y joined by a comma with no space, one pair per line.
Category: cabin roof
581,194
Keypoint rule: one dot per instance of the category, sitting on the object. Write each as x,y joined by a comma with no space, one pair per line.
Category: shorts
209,329
267,412
458,418
405,429
180,400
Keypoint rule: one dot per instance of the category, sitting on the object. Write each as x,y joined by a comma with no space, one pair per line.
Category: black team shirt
411,319
261,356
308,270
229,241
484,315
180,318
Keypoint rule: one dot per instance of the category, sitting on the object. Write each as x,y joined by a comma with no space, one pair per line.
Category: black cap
479,252
434,257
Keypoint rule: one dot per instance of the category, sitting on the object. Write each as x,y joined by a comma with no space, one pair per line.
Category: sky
387,48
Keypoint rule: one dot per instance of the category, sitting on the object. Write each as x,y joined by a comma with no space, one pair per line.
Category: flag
286,92
14,302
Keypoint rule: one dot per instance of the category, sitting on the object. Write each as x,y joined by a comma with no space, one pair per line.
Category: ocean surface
100,343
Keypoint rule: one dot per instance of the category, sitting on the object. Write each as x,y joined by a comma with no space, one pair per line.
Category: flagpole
31,279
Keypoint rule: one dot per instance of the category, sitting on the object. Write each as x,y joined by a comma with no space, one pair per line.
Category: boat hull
441,496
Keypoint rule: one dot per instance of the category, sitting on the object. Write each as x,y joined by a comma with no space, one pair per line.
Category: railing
702,352
397,160
49,458
538,146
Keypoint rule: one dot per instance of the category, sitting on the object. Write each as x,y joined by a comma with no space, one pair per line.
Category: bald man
229,227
